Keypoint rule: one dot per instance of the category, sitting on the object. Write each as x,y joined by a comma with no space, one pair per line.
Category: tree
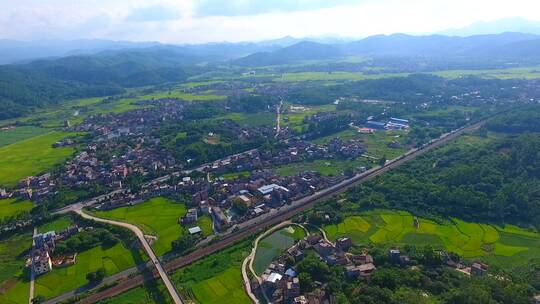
240,207
382,161
315,219
306,282
184,243
97,276
430,257
470,295
38,299
408,296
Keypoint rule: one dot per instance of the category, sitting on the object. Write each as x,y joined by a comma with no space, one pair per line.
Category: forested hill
45,82
473,50
298,52
492,179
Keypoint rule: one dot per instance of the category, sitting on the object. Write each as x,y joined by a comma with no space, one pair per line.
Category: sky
199,21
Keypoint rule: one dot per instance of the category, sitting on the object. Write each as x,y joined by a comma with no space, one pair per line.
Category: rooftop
195,230
274,277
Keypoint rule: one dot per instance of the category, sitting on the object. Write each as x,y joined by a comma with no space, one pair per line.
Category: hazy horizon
202,21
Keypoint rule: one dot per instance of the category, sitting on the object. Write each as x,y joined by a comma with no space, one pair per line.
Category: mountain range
103,68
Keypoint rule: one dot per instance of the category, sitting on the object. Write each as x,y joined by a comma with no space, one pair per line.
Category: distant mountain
434,45
496,27
506,46
25,87
13,51
301,51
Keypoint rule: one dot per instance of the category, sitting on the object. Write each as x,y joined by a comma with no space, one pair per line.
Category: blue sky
196,21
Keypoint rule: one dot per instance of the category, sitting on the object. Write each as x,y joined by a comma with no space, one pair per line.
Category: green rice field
470,240
274,245
14,286
8,137
11,206
215,279
61,280
31,156
157,216
152,292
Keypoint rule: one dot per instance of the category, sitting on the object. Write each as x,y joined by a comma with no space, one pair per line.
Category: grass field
376,146
157,216
31,156
60,280
334,76
252,119
215,279
470,240
14,284
11,206
511,73
205,223
153,292
376,143
328,167
8,137
180,94
295,119
235,175
274,245
57,225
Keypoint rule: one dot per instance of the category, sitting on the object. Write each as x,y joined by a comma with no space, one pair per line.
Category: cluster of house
476,268
31,188
282,285
42,259
296,151
392,124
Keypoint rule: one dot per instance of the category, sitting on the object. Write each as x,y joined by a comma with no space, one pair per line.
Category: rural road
147,248
248,261
255,225
278,119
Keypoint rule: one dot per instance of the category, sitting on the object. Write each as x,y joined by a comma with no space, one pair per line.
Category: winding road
140,235
248,261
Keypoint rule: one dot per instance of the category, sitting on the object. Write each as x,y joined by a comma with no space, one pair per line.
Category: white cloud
108,19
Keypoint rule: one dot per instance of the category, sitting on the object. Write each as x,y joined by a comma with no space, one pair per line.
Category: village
125,158
281,283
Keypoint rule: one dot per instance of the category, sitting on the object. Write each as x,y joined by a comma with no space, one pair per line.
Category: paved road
278,119
248,261
253,226
147,248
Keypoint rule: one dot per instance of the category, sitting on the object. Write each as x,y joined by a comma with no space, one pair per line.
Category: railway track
253,226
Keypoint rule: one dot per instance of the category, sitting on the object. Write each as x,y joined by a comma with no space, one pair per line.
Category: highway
140,235
255,225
